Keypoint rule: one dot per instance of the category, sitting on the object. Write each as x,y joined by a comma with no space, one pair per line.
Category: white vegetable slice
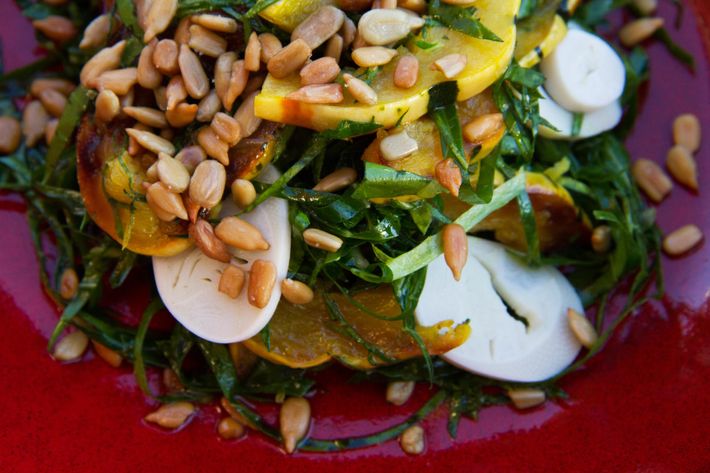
584,73
188,282
501,346
593,123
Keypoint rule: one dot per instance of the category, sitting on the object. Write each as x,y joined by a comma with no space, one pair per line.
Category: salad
414,191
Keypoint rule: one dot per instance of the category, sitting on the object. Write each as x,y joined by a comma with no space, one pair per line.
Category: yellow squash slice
425,133
110,181
487,61
305,336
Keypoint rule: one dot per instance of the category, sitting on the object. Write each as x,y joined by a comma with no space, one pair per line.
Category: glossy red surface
640,406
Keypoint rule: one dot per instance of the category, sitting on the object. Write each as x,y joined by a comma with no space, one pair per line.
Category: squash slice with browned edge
559,221
111,181
305,336
487,61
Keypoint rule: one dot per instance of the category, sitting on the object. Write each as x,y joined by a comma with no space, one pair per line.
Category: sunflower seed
193,74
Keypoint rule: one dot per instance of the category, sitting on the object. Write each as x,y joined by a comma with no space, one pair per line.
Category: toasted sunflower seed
270,45
202,233
246,116
148,75
319,26
54,102
322,240
121,81
397,146
243,192
208,107
190,157
207,184
151,141
372,56
64,86
451,65
105,60
193,74
252,54
159,16
229,429
148,116
289,59
237,84
296,292
182,115
455,248
241,234
97,32
214,22
10,134
412,440
682,240
337,180
359,89
34,122
262,279
525,398
213,145
168,203
639,30
232,281
57,28
206,42
294,421
320,71
399,392
318,93
172,415
172,173
687,132
165,57
227,128
175,92
71,347
682,166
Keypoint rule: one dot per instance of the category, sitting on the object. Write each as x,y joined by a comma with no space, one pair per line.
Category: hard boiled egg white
593,123
188,282
501,346
584,73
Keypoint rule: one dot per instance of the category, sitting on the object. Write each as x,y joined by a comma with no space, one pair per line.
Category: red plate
640,406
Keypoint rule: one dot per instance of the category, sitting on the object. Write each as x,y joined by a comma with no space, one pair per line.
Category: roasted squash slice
424,131
559,220
110,183
487,60
305,336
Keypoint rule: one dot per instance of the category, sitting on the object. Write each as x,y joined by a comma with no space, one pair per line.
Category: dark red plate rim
640,406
